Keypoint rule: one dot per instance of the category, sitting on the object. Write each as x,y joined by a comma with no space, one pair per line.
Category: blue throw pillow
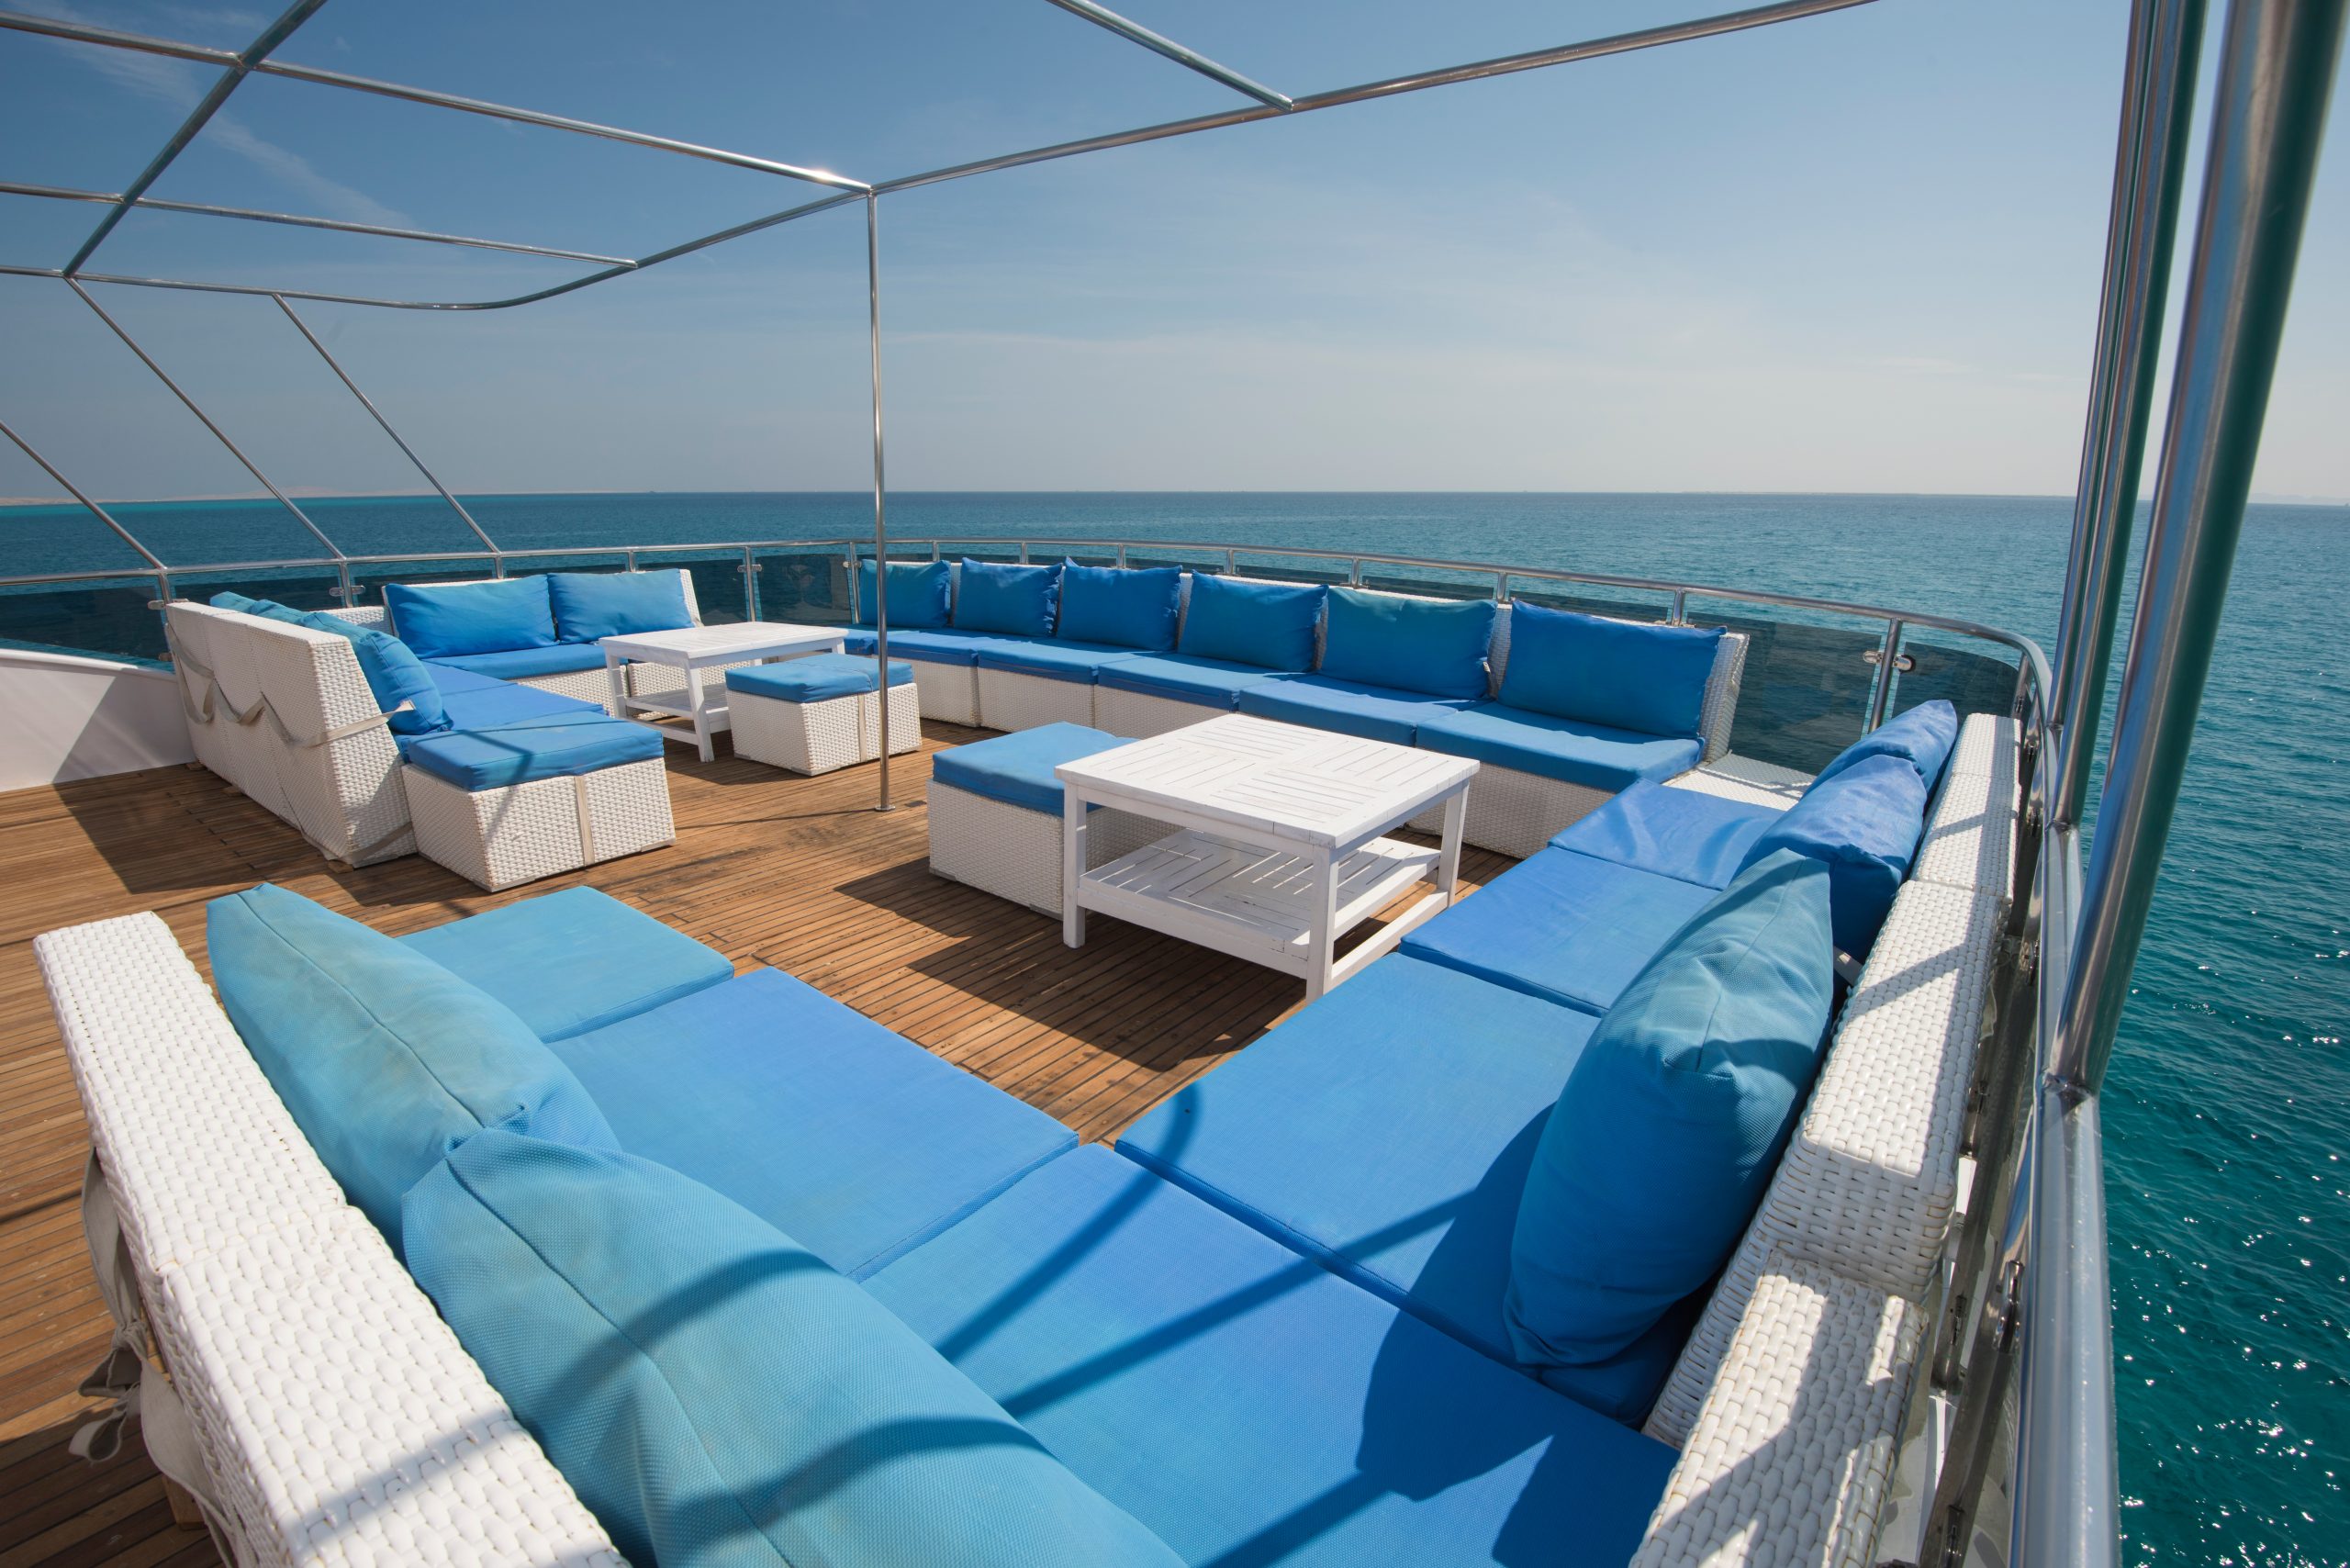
1625,674
266,609
384,1057
1412,645
1673,1119
1130,607
593,605
395,675
716,1394
1923,736
444,621
1019,600
918,594
1270,625
225,599
1863,823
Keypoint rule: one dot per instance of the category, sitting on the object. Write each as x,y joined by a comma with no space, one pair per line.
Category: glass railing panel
1084,552
367,581
1971,675
1268,566
296,588
807,583
106,618
721,590
1429,582
1805,693
1147,556
1623,604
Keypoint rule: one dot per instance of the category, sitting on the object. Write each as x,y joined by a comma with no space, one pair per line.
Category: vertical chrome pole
881,514
2156,110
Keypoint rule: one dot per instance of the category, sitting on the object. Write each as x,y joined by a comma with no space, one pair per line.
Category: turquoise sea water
2228,1117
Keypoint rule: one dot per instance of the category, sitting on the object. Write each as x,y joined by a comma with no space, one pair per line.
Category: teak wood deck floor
801,874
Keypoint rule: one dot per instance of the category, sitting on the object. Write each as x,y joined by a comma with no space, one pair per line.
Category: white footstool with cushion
513,802
815,714
995,814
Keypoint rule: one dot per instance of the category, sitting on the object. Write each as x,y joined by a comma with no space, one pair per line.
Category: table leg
616,680
701,715
1322,942
1448,859
1074,831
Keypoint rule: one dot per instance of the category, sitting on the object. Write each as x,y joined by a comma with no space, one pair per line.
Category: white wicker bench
811,738
587,685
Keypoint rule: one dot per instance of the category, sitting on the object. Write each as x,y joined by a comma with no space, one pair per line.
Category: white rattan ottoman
995,814
515,803
815,714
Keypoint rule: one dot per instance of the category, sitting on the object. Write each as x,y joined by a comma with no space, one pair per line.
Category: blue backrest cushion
395,675
442,621
1018,601
1128,607
227,599
1412,645
919,594
1922,736
1270,625
267,608
1627,675
1673,1119
715,1394
1863,823
383,1057
589,606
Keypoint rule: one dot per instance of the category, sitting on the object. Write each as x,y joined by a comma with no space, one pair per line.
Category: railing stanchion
880,517
1888,656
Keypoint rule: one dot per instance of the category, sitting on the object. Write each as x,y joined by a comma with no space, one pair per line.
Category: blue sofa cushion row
819,677
1923,736
1266,624
1406,1176
1121,606
1864,824
557,746
1247,1406
572,961
1624,674
521,664
938,646
1183,678
1425,645
919,594
442,621
717,1396
1018,601
1350,707
1052,659
1686,833
588,604
393,673
1017,769
1569,750
1671,1121
854,1139
383,1057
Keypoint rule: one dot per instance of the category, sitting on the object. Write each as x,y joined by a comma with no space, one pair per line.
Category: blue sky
1855,253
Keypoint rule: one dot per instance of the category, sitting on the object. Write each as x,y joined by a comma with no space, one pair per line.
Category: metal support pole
2157,108
74,490
1135,32
881,513
1888,658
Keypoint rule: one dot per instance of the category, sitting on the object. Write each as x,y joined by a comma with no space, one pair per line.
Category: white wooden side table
697,652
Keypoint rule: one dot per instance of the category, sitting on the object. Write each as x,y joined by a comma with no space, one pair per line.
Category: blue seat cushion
1569,750
1863,822
1017,769
383,1057
394,675
1247,1406
715,1394
1054,658
445,619
1562,926
1670,1125
919,594
589,605
520,664
942,646
819,677
1393,1151
1624,674
1018,601
1687,834
1266,624
1120,606
1350,707
493,702
1923,736
815,1118
451,679
574,961
1185,677
554,746
1430,647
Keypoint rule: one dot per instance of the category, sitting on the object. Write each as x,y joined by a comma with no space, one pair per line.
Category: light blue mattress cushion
1863,822
1687,834
1266,624
1622,674
1350,707
520,664
1670,1122
1387,1130
394,675
1125,606
571,961
446,620
1185,677
1248,1407
994,596
1017,769
919,594
554,746
812,1117
1573,751
1382,639
1566,927
938,646
1923,736
717,1396
1053,658
819,677
381,1055
493,702
588,604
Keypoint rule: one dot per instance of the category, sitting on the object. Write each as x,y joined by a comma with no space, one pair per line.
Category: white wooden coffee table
1278,852
698,651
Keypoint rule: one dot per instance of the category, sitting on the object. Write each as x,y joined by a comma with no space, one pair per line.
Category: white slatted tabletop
699,652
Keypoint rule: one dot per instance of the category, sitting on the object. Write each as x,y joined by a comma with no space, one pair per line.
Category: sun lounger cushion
717,1396
394,676
1052,659
819,677
1120,606
503,702
1684,834
1657,1152
1864,824
1623,674
1017,769
1350,707
938,647
1018,601
521,664
560,745
381,1055
854,1139
573,961
588,604
1573,751
919,594
1266,624
1562,926
1395,1152
446,620
1924,736
1183,678
1413,644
